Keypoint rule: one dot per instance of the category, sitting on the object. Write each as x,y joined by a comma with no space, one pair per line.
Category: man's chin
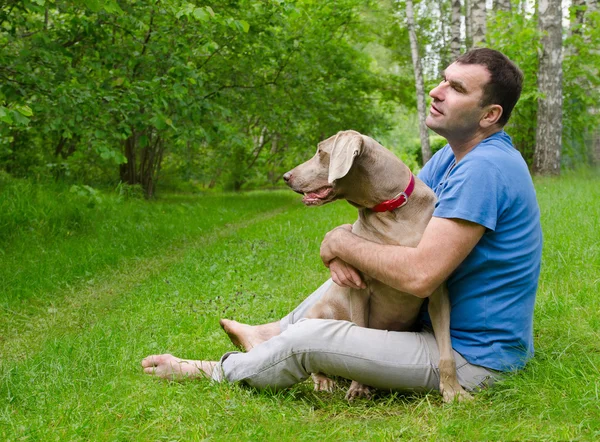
431,123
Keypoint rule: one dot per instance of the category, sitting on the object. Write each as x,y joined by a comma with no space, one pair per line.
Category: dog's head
334,171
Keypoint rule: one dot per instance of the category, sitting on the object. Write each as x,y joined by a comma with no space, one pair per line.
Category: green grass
79,311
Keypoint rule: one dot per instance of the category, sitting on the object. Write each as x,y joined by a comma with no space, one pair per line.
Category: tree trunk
143,163
468,25
478,22
455,29
575,26
548,144
421,106
502,5
127,170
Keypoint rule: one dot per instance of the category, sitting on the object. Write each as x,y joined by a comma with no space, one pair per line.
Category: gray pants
379,358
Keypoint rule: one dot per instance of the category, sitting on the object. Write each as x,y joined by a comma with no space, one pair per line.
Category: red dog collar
399,200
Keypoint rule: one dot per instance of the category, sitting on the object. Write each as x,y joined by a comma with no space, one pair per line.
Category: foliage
517,36
198,95
224,93
71,350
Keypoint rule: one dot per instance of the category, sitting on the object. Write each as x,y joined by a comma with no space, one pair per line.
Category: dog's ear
346,147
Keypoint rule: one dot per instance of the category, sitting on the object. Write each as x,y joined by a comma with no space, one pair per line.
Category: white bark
502,5
455,29
421,105
468,27
548,145
478,22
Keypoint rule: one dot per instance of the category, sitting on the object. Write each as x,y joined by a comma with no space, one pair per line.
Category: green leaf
23,109
20,119
5,115
94,5
201,14
244,24
111,6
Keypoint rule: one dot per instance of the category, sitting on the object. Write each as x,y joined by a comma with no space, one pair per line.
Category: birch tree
455,29
468,24
548,145
502,5
418,70
478,22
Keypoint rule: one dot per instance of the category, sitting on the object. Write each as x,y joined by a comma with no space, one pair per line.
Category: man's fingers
351,275
355,277
345,275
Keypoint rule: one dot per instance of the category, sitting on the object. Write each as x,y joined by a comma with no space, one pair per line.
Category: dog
394,207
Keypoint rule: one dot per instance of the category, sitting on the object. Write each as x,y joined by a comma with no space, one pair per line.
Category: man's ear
491,117
346,147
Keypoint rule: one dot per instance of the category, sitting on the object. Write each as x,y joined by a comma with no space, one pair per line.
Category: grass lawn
90,285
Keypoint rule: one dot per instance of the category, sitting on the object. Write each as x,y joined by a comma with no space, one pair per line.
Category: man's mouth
436,110
318,196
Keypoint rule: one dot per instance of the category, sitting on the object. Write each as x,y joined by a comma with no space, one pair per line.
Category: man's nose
437,92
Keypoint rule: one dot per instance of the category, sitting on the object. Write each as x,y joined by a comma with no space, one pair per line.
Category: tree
478,22
420,88
502,5
455,29
548,146
105,91
468,24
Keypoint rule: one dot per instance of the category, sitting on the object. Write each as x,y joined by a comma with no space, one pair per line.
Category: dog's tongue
316,195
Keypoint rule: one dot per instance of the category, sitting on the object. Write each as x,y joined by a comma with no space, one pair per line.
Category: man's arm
419,271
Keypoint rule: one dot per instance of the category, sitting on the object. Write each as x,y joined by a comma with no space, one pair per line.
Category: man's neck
463,146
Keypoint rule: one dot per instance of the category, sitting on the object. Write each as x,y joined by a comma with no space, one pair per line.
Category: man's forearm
396,266
418,271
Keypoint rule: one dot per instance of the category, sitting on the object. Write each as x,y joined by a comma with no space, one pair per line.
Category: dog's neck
382,177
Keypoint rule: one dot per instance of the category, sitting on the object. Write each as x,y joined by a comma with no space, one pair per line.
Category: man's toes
148,361
155,360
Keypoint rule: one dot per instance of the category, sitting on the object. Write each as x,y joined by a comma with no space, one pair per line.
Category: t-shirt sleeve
426,174
473,191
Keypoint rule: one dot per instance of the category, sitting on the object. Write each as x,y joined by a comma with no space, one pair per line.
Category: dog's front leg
359,313
439,311
343,304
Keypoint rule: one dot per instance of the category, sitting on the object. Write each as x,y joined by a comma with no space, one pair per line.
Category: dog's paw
455,393
358,390
322,382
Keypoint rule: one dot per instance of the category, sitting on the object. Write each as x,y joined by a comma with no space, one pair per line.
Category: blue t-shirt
492,291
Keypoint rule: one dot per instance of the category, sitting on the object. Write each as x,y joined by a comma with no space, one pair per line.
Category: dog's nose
287,177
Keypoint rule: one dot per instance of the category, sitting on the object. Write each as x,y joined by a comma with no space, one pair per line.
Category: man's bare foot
249,336
176,369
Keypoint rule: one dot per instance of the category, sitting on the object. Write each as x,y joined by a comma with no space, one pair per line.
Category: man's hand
329,243
342,273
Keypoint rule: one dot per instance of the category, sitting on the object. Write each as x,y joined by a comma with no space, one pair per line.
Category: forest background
147,95
124,125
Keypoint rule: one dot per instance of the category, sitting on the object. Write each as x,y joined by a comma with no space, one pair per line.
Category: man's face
455,111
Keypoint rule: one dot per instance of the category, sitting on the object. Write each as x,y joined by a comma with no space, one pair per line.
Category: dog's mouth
317,197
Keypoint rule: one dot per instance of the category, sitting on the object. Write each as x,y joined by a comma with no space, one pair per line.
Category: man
484,239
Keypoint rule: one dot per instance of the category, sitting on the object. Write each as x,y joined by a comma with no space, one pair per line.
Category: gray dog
394,207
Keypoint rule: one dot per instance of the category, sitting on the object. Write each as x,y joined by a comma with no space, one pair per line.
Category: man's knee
308,332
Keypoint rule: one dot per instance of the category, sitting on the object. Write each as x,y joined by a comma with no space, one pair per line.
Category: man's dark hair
504,87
